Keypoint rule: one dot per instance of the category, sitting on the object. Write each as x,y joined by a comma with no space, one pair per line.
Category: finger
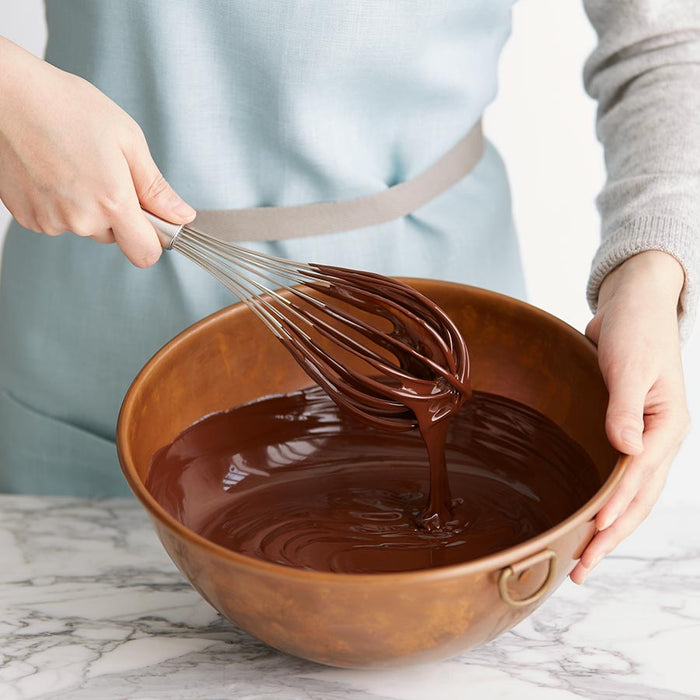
592,331
660,446
154,192
24,217
49,224
624,419
637,510
136,237
132,231
106,236
605,541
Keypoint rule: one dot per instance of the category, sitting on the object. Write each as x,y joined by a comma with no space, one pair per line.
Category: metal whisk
400,349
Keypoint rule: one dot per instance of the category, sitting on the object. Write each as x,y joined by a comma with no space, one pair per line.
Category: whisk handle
167,232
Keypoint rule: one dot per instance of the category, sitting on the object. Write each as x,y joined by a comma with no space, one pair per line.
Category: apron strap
277,223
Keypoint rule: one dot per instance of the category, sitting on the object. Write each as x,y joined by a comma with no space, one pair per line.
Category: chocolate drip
424,378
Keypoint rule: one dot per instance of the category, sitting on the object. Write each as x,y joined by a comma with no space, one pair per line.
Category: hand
72,160
636,331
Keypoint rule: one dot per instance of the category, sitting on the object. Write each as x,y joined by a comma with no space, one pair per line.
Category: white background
543,124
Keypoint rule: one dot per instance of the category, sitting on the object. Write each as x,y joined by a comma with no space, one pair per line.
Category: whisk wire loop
421,357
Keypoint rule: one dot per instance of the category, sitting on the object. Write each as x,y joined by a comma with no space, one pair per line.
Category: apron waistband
278,223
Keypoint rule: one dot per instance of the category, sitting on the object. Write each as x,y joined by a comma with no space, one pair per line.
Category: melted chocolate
294,480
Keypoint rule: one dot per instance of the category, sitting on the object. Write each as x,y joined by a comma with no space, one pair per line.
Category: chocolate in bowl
374,619
295,480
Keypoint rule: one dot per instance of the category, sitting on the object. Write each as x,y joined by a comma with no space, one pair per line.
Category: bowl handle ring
518,569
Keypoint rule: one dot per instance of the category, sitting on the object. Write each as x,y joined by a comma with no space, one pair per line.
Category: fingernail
608,520
632,438
182,208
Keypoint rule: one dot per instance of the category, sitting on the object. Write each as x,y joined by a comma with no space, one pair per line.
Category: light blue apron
244,104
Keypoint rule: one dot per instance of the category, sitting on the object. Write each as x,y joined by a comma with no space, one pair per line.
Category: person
249,104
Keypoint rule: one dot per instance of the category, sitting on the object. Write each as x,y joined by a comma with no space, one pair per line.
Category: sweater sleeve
645,75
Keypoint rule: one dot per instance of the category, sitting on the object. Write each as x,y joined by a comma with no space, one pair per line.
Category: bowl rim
488,563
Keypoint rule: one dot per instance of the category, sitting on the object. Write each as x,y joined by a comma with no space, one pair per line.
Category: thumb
153,190
624,420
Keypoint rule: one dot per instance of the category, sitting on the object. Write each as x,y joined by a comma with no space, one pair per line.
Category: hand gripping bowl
373,620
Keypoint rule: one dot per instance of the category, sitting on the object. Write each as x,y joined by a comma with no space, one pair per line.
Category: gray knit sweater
645,74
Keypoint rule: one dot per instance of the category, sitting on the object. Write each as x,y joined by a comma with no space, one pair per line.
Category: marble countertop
91,607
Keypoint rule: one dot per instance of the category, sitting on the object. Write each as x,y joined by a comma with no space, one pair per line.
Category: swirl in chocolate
294,480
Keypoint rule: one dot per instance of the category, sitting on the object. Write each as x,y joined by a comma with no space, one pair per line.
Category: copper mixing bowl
374,620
